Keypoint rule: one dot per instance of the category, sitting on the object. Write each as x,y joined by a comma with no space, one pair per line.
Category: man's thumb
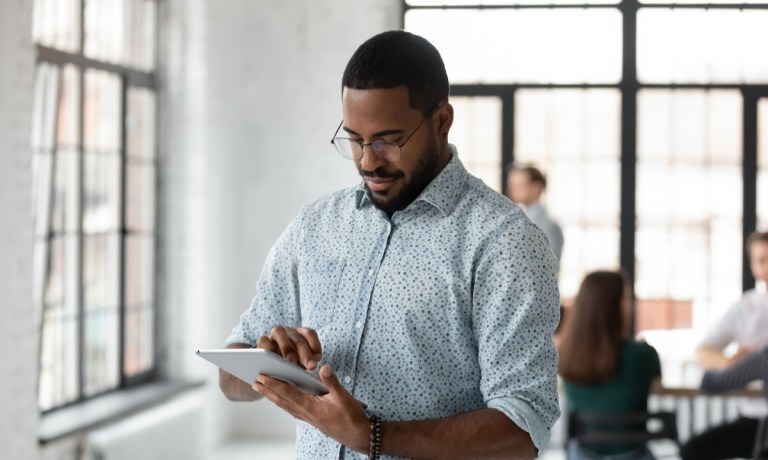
329,379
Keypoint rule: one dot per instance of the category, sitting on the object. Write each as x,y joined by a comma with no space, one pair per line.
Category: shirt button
347,379
359,324
370,272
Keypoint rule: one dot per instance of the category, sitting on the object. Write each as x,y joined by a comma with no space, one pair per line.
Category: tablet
248,363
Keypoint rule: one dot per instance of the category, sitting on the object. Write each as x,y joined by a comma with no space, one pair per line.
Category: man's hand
337,414
740,354
299,345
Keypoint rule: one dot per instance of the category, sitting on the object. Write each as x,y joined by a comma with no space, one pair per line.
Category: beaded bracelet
374,452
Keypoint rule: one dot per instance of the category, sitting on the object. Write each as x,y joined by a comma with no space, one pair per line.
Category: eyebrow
386,132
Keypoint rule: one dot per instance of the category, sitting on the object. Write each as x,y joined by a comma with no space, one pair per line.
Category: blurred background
151,151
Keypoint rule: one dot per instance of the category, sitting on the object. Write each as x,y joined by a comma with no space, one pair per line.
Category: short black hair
398,58
534,173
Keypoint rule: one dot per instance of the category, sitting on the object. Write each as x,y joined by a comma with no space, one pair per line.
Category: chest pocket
318,291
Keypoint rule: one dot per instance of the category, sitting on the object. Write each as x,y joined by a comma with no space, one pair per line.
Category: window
651,122
94,163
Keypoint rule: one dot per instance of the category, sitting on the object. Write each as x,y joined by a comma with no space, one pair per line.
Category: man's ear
444,115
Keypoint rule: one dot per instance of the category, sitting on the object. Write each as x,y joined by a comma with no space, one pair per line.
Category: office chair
612,429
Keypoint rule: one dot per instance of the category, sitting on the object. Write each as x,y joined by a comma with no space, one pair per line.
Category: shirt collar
443,192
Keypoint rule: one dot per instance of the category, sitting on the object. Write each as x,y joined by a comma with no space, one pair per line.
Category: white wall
18,334
251,99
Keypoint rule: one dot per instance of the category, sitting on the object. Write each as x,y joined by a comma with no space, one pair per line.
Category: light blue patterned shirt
446,308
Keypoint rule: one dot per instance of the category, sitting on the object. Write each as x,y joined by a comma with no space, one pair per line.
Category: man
746,325
420,292
525,185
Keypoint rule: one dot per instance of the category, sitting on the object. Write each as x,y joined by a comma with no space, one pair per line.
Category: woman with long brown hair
602,368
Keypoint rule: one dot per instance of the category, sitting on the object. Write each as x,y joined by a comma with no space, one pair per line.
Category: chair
636,427
760,450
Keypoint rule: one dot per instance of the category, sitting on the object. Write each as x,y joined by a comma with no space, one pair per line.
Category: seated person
604,370
746,325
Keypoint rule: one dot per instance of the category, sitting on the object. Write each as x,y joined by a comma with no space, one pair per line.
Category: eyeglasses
390,151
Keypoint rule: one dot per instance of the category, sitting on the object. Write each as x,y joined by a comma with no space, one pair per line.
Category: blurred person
525,185
602,368
420,292
745,324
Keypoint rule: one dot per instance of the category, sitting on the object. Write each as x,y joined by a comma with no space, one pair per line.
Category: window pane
121,32
140,198
524,45
702,46
573,136
139,270
58,381
101,194
58,369
101,357
689,204
476,131
762,164
139,339
101,271
45,107
506,2
102,113
56,24
140,124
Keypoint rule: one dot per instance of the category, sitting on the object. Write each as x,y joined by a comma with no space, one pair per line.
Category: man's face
384,114
521,190
758,260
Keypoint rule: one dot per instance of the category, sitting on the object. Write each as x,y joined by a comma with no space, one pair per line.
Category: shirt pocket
319,285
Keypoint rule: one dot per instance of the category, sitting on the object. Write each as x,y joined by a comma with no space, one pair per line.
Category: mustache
380,173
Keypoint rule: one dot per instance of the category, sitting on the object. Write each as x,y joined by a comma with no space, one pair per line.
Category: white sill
108,408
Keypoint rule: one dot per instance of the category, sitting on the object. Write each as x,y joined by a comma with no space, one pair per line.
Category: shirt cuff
523,416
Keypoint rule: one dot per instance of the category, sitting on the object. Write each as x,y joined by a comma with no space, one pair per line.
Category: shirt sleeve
515,312
752,367
277,293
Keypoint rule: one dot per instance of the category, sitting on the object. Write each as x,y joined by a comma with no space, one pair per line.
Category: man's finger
330,380
267,344
283,395
286,345
308,347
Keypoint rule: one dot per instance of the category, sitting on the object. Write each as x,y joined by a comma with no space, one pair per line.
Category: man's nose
369,160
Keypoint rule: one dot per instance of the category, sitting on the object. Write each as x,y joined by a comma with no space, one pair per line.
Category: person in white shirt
746,325
525,185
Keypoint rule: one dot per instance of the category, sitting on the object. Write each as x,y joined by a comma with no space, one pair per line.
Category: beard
423,174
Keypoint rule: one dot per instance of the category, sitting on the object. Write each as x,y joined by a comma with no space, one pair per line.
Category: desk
697,409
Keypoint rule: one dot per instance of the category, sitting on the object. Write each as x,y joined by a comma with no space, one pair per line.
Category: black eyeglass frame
371,144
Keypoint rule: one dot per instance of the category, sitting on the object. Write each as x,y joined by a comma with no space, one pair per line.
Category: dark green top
627,392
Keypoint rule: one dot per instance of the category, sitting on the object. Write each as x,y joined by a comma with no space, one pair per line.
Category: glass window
94,197
56,24
573,136
524,45
476,131
506,2
702,45
121,32
689,207
762,164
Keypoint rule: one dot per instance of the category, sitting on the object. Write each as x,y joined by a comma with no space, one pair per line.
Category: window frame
130,78
629,87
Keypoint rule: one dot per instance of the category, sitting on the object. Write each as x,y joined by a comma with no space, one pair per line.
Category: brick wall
18,332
